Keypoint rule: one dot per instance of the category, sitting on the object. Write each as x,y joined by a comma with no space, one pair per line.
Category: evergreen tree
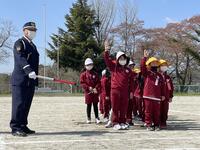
77,42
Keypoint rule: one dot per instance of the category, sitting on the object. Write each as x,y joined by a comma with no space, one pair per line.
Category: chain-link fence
187,88
52,87
5,89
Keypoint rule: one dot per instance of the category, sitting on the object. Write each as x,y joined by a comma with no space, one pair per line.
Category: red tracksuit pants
134,103
106,107
129,115
164,107
143,110
119,103
101,104
152,112
135,107
139,104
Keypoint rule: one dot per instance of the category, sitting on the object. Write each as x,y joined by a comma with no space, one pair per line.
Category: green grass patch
186,94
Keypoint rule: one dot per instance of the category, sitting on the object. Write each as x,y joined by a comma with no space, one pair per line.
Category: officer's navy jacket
26,60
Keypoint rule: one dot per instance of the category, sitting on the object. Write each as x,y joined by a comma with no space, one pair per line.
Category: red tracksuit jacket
90,79
139,86
169,88
134,82
153,83
120,76
105,86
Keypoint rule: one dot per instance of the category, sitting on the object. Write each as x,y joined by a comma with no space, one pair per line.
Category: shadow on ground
174,123
81,133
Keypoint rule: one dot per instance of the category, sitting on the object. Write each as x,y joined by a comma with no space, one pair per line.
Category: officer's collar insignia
18,48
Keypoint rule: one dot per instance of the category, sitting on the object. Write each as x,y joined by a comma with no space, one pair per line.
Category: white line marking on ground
173,149
182,149
2,143
96,140
183,112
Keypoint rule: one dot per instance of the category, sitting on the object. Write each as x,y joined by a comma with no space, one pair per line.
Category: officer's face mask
163,68
89,67
31,34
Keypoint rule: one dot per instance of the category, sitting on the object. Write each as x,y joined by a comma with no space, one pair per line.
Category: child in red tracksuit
101,104
153,92
169,88
138,94
91,84
105,94
120,78
132,109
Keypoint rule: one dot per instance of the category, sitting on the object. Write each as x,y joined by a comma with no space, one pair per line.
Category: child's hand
107,45
146,53
131,95
95,91
163,98
90,89
107,98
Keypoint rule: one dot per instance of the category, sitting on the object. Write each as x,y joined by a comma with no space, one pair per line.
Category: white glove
32,75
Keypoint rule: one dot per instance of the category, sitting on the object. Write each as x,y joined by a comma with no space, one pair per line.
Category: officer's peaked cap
30,25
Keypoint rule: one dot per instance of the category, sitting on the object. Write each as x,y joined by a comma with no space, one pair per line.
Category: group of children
126,92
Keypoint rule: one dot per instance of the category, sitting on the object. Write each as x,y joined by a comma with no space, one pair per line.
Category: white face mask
89,67
163,68
31,35
122,62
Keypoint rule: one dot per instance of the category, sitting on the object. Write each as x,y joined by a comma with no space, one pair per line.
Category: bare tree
173,43
105,15
6,33
129,28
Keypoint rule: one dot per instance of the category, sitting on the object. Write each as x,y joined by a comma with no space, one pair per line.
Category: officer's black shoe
19,133
28,131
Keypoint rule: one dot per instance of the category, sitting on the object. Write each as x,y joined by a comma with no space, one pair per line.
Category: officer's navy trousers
21,102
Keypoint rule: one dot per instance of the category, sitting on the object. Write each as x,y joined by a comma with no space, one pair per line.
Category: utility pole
45,52
58,60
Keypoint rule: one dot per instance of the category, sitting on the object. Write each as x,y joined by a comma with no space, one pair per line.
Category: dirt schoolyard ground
60,123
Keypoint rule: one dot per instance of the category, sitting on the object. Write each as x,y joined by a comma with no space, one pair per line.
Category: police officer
26,62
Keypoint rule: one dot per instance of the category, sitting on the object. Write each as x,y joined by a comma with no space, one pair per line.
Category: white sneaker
105,120
88,121
117,127
124,126
109,124
144,125
98,121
